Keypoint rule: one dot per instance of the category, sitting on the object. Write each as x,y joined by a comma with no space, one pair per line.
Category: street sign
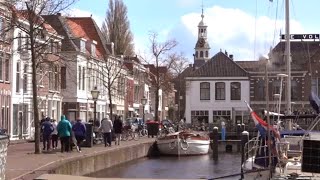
301,36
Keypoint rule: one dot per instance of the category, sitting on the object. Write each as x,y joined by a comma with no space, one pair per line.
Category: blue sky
245,28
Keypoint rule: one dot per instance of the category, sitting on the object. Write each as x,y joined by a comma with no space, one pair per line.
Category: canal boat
184,143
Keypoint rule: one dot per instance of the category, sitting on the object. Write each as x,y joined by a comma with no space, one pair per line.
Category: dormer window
93,50
82,46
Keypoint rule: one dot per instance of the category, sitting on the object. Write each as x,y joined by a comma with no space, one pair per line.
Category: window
294,90
18,78
201,54
235,91
25,78
93,49
260,93
196,54
19,41
1,65
207,54
83,78
219,116
56,78
7,67
2,29
82,46
220,91
79,77
316,86
63,78
204,91
51,78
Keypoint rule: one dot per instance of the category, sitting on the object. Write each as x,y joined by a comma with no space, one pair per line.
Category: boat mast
288,60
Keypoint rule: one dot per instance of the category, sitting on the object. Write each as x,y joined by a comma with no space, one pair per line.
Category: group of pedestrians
74,133
106,128
70,134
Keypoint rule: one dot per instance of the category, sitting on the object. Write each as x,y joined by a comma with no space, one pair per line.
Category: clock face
201,42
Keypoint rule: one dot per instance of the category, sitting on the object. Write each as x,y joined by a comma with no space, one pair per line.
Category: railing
4,142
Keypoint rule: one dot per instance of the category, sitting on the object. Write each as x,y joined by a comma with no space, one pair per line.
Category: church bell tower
202,48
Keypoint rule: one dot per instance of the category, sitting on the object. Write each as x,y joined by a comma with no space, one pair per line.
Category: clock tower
202,47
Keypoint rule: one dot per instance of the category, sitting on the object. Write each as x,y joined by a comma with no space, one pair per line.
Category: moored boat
184,143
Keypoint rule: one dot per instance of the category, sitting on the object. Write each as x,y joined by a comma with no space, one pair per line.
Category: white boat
184,143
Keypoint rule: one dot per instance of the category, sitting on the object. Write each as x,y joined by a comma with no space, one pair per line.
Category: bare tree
162,76
112,78
179,68
116,28
26,16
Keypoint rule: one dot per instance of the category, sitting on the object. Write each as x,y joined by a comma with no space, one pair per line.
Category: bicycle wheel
125,136
135,135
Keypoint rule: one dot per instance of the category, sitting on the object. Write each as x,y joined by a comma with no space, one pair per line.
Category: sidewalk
22,163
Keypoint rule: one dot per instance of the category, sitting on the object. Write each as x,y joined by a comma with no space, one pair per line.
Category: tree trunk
110,103
35,97
156,113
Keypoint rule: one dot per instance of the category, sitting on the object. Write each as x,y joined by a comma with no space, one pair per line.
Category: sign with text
301,36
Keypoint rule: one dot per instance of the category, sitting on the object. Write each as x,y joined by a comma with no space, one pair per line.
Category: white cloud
82,13
234,30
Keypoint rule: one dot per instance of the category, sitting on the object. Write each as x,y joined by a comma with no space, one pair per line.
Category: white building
216,88
48,78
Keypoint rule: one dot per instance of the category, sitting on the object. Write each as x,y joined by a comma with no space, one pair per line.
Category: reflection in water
176,167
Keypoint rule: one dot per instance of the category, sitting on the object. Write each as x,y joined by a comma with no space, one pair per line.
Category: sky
245,28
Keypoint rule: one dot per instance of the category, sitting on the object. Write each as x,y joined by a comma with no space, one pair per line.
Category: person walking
47,129
79,130
64,132
117,128
106,128
54,134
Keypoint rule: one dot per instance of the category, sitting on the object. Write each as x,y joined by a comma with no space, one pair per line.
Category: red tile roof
85,27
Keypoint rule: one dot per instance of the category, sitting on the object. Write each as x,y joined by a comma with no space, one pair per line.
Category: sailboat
269,155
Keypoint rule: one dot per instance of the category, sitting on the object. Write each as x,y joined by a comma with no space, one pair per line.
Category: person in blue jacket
64,132
79,130
47,129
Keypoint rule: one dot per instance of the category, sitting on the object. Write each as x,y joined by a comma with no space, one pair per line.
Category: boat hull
184,143
183,147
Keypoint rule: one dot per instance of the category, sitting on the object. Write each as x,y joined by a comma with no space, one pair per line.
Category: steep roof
85,27
220,65
58,22
78,27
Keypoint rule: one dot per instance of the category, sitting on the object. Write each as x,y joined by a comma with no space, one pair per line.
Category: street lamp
143,102
95,94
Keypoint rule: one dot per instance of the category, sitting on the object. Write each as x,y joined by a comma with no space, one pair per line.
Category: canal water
184,167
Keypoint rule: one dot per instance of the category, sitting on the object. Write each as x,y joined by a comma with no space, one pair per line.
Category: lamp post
95,94
143,102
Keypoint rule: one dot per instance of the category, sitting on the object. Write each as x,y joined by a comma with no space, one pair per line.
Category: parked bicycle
131,133
143,130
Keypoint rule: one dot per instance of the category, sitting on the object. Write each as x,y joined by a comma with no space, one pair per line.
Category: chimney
58,14
231,56
226,53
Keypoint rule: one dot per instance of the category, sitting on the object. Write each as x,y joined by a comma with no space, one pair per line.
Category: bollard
239,130
215,138
244,156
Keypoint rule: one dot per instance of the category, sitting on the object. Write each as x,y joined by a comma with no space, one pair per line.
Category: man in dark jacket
47,129
117,128
79,130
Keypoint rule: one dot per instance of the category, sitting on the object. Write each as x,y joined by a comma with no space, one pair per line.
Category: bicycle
130,134
143,130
